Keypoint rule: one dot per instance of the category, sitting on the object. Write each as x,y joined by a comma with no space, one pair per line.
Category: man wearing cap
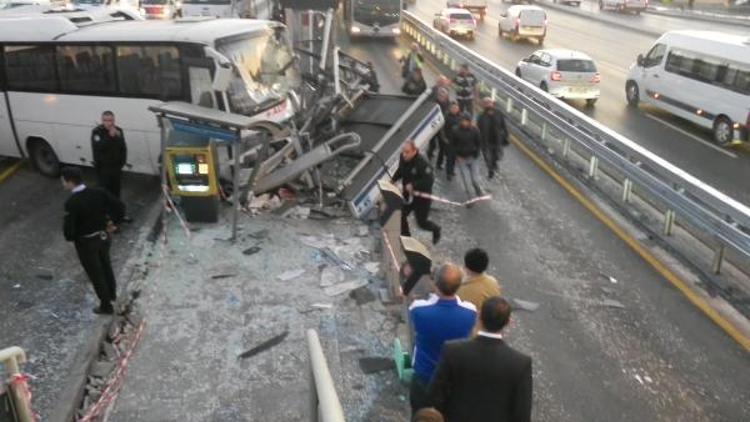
467,145
416,175
492,128
465,83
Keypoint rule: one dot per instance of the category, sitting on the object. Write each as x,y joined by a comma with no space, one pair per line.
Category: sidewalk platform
207,301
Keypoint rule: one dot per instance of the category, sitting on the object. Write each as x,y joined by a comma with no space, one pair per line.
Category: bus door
8,142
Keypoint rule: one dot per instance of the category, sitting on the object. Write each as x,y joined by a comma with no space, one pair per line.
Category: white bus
701,76
57,77
373,18
255,9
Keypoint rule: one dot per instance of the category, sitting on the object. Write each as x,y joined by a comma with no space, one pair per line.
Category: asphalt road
630,350
614,49
45,297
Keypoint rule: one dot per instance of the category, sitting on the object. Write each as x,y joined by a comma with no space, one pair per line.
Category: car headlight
397,31
356,30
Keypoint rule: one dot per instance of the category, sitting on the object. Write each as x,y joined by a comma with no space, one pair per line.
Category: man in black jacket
90,216
465,84
415,84
439,141
416,175
452,120
110,153
484,379
467,145
494,133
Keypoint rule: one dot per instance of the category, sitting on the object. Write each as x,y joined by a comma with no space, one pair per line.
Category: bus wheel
723,131
43,158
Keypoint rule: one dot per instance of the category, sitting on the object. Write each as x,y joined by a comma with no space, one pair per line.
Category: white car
456,23
161,9
564,74
621,6
474,6
521,21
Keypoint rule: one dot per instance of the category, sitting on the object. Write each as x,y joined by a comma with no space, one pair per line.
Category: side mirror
639,60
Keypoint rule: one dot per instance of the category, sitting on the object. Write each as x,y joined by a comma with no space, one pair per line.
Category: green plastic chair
403,362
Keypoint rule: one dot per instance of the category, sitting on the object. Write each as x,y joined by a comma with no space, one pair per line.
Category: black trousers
466,105
437,142
418,394
421,209
109,180
94,256
492,154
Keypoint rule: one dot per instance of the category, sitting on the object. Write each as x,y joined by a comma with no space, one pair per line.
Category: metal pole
236,183
10,358
328,401
718,259
524,117
627,190
509,105
566,148
326,39
544,131
593,166
668,222
163,174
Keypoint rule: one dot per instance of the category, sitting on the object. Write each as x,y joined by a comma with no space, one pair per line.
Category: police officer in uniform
110,153
415,173
465,83
90,217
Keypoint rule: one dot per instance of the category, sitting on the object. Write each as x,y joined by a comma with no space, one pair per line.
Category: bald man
439,318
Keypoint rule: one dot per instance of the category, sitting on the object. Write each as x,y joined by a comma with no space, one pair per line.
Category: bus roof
736,47
58,28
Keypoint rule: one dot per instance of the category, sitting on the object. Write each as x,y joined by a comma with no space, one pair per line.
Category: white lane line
692,136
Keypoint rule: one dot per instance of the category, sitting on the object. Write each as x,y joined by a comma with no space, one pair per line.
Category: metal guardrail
324,402
718,218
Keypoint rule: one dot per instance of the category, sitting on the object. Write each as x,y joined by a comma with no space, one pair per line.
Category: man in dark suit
484,379
90,215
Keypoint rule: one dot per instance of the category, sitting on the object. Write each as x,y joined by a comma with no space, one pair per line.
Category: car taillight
597,78
556,76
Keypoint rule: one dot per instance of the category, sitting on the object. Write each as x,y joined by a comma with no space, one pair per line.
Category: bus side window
149,71
201,91
31,67
86,69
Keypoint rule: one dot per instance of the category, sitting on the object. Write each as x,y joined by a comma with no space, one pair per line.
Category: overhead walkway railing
718,221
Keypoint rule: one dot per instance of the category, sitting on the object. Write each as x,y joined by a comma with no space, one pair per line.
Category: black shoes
436,235
99,310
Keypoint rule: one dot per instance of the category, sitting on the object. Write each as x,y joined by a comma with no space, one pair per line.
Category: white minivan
522,21
701,76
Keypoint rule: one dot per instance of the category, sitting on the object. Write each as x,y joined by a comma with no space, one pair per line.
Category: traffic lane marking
639,249
11,170
691,136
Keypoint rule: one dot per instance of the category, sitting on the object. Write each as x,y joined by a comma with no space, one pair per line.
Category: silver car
456,23
564,74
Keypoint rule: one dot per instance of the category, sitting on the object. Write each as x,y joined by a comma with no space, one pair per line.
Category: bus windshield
265,69
381,12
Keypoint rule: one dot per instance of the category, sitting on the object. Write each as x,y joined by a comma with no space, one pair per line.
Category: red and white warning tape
115,383
448,201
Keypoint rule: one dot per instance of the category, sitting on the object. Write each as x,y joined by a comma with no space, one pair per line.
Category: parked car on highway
161,9
456,23
522,21
573,2
621,6
701,76
474,6
564,74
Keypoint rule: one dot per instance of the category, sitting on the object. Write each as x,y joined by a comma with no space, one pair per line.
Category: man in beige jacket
477,285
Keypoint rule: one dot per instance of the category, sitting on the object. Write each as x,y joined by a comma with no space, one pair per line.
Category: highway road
611,339
614,49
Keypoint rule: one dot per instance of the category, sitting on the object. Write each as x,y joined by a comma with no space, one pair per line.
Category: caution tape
448,201
115,383
184,225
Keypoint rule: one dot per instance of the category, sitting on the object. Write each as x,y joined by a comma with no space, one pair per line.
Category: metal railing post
19,393
524,117
627,190
566,148
668,222
593,166
718,259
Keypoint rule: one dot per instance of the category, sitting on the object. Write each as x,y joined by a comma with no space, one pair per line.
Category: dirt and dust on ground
216,330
